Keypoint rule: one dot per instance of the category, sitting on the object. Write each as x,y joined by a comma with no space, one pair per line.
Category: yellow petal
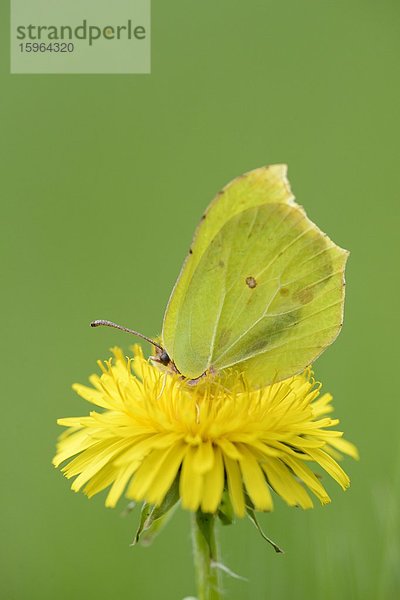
156,474
144,445
305,474
330,466
323,406
121,480
74,444
254,480
191,482
228,448
204,458
76,421
100,481
91,395
213,484
285,485
235,486
89,467
165,478
146,474
345,447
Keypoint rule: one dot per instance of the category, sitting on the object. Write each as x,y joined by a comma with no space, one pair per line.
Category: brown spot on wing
304,296
251,282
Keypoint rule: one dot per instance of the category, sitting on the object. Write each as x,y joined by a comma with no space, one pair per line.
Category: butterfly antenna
104,323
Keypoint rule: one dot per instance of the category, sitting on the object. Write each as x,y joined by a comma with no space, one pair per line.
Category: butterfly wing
260,186
265,297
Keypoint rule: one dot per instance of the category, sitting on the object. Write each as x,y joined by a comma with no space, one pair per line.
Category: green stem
205,555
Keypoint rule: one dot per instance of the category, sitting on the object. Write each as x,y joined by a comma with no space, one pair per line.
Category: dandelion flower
155,429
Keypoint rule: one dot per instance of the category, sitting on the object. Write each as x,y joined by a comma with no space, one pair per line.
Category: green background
103,179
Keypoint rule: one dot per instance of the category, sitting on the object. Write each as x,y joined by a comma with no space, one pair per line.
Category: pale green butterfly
261,290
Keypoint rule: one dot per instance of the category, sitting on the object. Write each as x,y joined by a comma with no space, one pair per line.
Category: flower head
156,428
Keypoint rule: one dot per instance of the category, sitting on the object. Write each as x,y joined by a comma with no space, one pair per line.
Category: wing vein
310,285
242,335
217,320
296,239
273,348
236,315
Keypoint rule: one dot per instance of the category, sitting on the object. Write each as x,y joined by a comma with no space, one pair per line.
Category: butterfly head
162,357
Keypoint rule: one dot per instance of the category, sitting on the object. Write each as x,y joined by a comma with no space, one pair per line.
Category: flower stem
205,555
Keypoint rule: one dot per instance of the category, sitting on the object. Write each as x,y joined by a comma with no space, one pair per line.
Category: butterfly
261,290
